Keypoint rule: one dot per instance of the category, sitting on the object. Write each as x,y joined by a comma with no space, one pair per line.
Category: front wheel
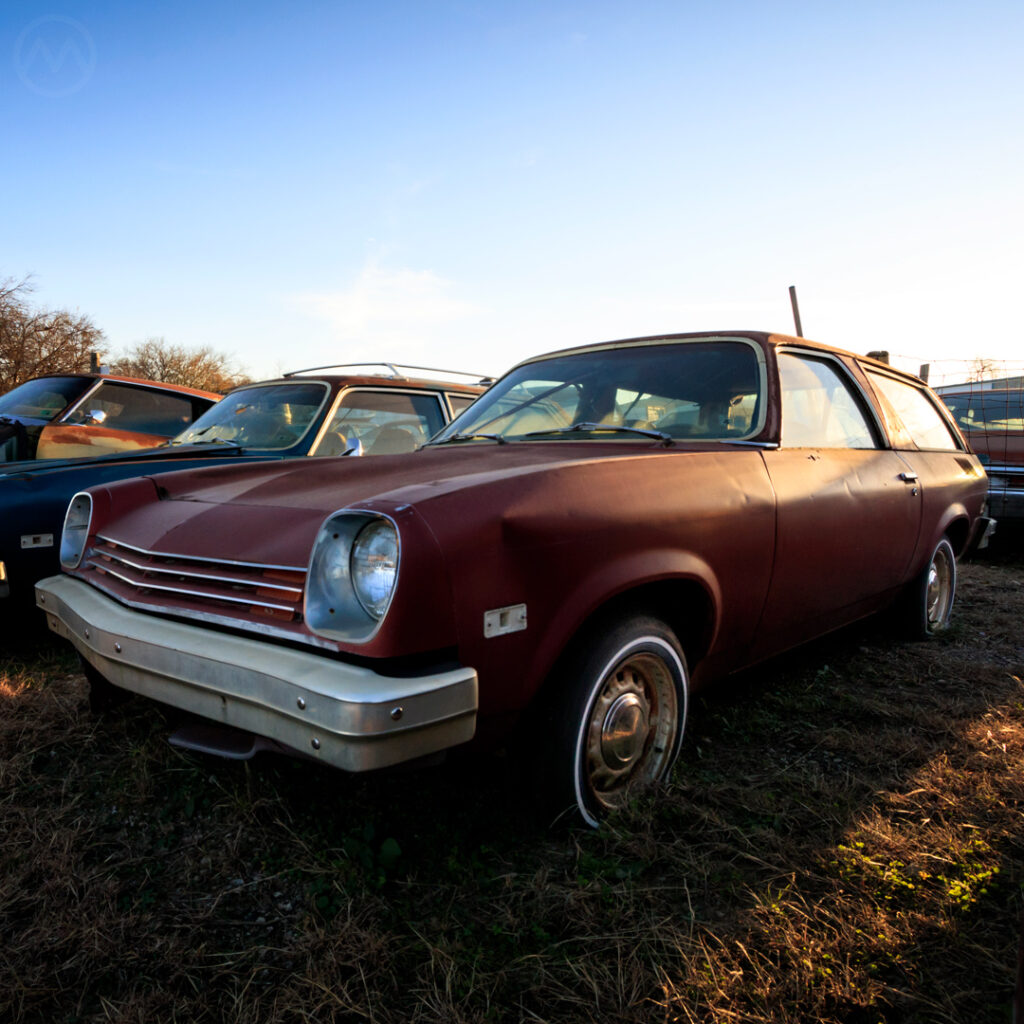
928,600
619,720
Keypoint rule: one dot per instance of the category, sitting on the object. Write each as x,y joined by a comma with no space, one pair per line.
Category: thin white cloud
385,303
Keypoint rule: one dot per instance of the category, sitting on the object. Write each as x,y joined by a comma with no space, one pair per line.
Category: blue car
307,413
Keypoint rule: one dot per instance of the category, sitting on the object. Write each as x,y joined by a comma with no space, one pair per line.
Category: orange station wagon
73,415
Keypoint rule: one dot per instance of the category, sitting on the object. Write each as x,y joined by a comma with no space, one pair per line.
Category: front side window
819,409
686,390
137,409
44,398
381,423
272,417
916,411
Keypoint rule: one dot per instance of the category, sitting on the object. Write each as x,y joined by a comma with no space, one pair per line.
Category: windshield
269,416
44,398
688,390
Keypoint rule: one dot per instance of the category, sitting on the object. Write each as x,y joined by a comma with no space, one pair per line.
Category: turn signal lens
76,530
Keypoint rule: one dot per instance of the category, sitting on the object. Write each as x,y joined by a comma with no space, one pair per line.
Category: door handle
909,478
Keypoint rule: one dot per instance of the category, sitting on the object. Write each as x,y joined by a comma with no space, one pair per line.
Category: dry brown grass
842,841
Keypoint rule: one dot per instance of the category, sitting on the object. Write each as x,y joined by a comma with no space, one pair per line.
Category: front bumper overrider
343,714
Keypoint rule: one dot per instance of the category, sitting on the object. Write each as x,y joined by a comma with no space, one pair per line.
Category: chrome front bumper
348,716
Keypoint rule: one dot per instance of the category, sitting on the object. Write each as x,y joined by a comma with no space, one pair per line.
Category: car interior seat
334,442
392,441
265,430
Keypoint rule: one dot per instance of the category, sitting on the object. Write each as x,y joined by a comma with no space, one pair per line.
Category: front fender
608,581
29,533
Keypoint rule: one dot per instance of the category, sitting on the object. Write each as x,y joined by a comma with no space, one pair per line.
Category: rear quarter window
459,403
916,411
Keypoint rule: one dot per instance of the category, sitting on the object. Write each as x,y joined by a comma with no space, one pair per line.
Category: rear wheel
928,600
619,718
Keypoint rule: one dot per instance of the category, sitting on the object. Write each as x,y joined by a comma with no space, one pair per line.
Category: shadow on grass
1007,544
840,841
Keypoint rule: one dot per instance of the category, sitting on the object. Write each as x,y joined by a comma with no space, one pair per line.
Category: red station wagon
992,420
602,532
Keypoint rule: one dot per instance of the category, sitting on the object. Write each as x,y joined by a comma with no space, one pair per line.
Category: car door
381,421
934,453
848,512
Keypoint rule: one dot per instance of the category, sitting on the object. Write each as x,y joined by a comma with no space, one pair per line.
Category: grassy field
841,841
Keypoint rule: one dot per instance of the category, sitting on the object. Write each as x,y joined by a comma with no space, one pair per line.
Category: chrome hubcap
624,731
940,589
632,728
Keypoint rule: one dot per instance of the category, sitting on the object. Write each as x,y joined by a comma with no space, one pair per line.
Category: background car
82,414
308,413
992,420
602,532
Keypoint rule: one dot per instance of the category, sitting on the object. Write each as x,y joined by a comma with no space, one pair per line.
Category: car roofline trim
623,343
394,368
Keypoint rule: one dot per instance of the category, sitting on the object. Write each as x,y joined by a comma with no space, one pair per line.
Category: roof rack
395,369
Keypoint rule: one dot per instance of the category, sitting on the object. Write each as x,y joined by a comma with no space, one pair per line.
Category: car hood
26,421
325,485
36,467
270,513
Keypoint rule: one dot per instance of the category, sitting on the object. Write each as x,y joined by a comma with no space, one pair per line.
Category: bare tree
155,359
982,369
37,341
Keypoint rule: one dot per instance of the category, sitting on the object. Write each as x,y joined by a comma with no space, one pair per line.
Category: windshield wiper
573,428
471,437
208,440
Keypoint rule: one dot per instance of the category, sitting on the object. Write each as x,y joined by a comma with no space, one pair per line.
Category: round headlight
374,566
76,531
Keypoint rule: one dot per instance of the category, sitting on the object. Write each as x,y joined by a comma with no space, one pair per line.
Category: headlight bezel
74,537
332,605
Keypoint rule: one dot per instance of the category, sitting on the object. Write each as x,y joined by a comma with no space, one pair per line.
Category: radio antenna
796,311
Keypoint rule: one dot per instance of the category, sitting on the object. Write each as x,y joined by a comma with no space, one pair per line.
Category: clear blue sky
466,184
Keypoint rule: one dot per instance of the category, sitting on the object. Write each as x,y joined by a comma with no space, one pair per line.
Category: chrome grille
236,588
